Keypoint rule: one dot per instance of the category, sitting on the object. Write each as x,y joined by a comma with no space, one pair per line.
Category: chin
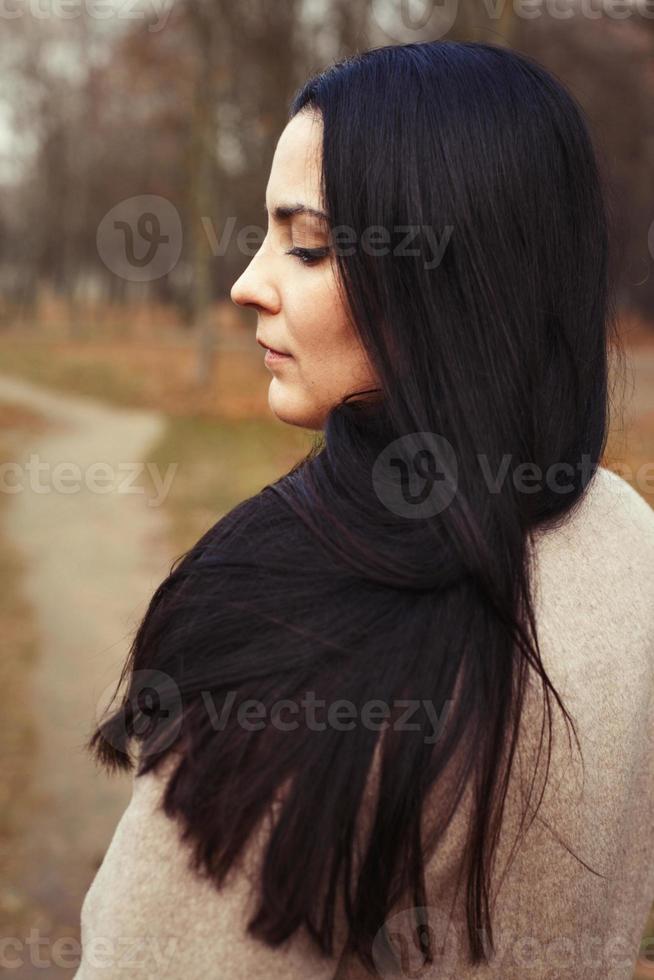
293,410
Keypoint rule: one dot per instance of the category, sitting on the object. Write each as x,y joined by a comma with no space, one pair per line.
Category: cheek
330,359
317,322
330,362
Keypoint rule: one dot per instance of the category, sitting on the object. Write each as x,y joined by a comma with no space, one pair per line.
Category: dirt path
92,560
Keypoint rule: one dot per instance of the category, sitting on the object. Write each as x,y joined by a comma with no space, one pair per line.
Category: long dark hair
345,578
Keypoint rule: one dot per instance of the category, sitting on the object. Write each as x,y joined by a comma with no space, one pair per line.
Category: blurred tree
103,111
203,20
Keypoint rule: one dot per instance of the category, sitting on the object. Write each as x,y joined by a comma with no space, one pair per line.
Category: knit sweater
574,901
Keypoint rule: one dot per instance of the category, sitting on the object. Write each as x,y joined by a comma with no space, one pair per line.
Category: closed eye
309,256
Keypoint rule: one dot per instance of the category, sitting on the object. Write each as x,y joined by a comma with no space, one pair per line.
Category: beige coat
147,915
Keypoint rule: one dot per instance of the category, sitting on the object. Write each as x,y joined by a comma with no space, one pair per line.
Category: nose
254,286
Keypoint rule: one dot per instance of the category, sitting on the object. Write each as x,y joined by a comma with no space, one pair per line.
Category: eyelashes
309,256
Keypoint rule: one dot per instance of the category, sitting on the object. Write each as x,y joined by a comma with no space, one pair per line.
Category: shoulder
620,503
612,524
619,526
148,909
594,573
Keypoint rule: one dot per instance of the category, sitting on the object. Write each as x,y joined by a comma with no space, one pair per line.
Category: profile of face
292,283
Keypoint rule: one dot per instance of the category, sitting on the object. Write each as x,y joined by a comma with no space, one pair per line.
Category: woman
351,702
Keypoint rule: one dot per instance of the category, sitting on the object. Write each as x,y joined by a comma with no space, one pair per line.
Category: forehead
295,170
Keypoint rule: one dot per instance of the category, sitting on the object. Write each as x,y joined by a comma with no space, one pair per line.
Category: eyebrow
284,211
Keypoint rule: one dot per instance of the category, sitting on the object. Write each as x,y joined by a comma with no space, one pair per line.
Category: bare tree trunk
204,22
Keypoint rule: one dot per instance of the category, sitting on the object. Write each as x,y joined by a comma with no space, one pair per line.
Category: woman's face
300,311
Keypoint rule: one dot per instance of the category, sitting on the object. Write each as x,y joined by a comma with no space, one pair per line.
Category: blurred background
135,145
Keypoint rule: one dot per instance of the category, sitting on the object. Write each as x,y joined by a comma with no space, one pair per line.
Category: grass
158,376
645,967
72,374
219,463
19,642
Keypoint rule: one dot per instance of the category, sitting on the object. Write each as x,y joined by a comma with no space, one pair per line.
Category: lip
272,352
273,359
